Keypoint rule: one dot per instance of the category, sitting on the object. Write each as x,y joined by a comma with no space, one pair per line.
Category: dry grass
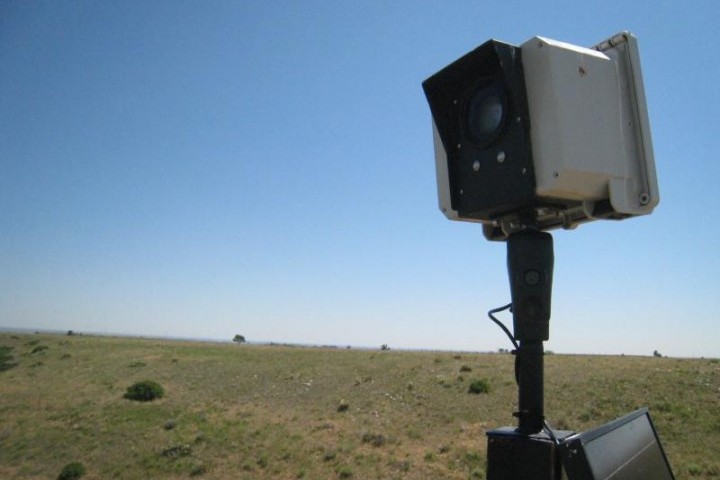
257,412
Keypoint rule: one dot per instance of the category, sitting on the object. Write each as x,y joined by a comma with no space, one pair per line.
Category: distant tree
70,333
239,339
657,354
384,347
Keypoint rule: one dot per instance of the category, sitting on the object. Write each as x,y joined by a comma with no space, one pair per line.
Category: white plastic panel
589,125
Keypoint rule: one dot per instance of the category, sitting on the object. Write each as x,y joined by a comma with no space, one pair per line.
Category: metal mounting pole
531,406
526,452
530,268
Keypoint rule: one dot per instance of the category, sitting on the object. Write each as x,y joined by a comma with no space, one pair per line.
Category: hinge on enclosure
611,42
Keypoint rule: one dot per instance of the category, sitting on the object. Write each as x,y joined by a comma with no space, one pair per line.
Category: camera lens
484,114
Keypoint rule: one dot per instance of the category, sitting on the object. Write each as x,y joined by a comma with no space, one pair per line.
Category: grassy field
258,412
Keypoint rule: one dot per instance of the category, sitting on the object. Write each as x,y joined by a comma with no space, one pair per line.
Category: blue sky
202,169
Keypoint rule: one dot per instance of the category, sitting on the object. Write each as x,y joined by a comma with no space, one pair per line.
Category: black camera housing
492,176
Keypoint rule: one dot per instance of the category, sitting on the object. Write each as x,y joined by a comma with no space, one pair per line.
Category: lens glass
485,112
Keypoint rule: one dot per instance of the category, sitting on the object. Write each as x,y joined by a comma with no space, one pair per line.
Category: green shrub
694,470
343,406
144,391
6,358
345,472
479,386
375,439
38,349
72,471
478,473
403,466
198,470
177,451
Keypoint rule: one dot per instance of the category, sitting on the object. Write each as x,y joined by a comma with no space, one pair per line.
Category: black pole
531,393
526,452
530,268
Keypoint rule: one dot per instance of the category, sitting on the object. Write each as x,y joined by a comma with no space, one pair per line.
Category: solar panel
625,449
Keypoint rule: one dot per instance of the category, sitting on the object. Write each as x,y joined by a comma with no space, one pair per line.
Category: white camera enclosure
543,135
589,125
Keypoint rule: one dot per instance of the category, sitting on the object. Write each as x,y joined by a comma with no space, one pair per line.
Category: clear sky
207,168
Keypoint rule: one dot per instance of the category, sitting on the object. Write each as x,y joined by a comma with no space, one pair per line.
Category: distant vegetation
275,412
239,339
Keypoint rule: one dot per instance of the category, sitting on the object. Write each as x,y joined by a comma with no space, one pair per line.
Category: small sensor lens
484,114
